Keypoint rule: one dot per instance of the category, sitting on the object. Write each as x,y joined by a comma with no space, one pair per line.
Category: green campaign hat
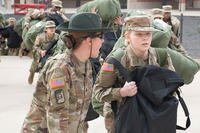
83,22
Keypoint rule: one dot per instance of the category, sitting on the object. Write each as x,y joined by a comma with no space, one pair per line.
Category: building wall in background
130,4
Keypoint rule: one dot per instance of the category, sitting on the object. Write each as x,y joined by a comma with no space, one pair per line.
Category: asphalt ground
16,95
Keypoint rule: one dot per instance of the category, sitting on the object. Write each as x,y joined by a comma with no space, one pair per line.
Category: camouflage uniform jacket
61,13
69,90
31,15
110,81
41,43
175,23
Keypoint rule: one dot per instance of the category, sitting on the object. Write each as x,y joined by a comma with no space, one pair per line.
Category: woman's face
97,41
50,30
166,16
140,40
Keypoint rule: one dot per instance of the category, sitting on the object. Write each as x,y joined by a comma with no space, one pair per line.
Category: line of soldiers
76,56
22,26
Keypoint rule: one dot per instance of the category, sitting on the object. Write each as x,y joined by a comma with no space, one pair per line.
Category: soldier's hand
42,53
94,10
26,25
129,89
118,20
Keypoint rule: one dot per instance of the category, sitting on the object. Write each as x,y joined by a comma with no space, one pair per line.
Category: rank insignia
108,67
55,83
59,95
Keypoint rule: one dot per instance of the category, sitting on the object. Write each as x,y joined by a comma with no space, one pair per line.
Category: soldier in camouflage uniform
12,51
157,13
175,24
64,88
3,48
110,85
40,47
57,8
171,20
35,15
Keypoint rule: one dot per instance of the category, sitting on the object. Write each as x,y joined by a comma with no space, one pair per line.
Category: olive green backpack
107,9
161,37
185,66
31,34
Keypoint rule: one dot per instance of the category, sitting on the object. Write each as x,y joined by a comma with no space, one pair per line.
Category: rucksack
154,108
32,33
107,9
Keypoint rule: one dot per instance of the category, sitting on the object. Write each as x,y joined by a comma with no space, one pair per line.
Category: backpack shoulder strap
123,72
119,66
185,109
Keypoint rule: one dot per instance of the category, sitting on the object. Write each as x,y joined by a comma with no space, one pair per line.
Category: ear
127,35
89,41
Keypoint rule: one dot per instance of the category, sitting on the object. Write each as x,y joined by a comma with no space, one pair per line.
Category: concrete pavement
16,95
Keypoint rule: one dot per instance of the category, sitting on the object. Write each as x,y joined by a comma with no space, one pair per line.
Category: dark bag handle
185,109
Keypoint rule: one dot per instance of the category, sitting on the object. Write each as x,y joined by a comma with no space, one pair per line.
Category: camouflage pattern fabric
18,26
35,120
177,46
68,104
175,23
2,21
3,48
30,36
41,43
109,83
60,47
69,85
25,29
13,51
60,13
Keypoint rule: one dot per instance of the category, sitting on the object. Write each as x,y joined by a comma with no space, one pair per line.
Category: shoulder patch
59,95
58,82
107,67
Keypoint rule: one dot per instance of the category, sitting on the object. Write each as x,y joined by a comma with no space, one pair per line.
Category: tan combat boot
31,77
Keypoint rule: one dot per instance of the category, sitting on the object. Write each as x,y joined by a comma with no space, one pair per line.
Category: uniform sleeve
103,88
64,17
27,19
37,46
58,95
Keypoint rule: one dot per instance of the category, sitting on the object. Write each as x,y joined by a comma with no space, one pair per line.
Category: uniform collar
80,67
132,60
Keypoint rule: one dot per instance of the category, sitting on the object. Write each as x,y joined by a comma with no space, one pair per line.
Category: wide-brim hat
83,22
139,23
